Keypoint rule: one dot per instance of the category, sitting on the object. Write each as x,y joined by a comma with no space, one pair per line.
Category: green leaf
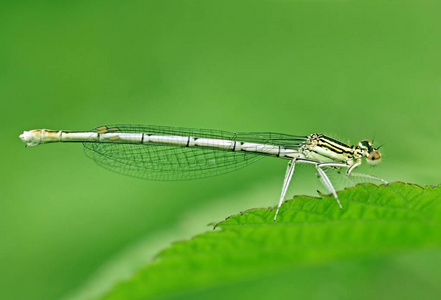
385,243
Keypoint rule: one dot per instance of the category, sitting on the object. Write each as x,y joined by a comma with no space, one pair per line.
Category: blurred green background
350,70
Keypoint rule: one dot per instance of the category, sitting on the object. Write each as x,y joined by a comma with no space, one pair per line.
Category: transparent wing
162,162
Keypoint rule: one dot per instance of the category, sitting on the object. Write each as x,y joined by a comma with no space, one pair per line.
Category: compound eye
365,144
374,158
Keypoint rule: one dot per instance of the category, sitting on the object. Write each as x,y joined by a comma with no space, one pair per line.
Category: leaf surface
385,243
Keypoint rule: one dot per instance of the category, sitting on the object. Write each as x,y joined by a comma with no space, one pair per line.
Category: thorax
322,148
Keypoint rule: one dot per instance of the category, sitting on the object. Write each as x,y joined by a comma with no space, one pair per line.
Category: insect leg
326,181
368,176
286,181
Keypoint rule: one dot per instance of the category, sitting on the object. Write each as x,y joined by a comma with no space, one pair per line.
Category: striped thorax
322,148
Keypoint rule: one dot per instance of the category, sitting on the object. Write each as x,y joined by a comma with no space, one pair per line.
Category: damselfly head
373,156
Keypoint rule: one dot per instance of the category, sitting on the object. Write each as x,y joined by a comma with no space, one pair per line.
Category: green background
350,70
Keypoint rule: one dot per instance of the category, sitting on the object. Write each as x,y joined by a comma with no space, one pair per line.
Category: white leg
322,174
325,177
328,184
286,181
368,176
351,168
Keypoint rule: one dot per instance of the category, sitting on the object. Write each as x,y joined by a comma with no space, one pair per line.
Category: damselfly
174,153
